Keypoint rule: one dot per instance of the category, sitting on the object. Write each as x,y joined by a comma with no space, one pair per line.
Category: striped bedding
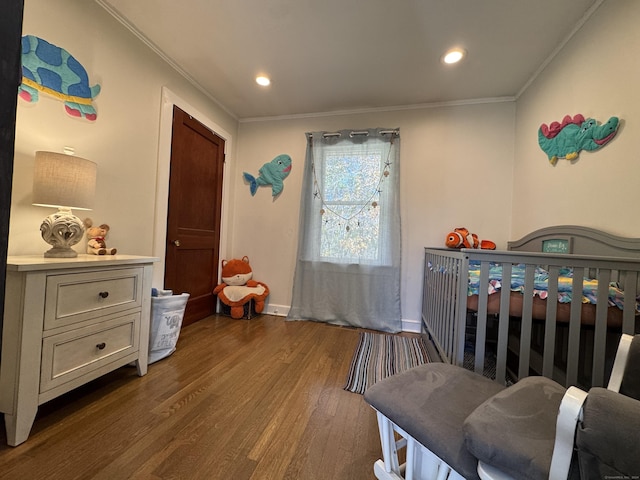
541,280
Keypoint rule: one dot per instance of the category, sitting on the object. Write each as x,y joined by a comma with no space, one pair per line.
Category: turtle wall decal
52,70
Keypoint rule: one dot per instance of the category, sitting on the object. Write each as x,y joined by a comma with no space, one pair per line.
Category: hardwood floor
239,399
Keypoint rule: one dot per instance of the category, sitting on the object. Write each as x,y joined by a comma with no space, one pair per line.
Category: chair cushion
430,402
607,438
631,379
515,429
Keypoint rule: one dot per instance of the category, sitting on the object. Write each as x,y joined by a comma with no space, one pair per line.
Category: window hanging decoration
350,197
52,70
567,139
354,187
271,173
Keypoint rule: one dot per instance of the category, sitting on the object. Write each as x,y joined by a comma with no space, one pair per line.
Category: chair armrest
620,362
569,414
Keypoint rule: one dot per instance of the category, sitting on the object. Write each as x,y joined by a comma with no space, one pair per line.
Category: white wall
456,170
460,164
597,74
477,166
123,141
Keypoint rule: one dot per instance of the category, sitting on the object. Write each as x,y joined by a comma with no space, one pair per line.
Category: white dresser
68,321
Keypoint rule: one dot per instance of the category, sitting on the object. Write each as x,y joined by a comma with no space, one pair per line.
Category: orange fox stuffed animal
238,287
461,238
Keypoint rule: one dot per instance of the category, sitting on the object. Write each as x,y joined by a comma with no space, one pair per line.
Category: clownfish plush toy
461,238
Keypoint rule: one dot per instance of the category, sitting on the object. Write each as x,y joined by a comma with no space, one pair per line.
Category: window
348,264
349,188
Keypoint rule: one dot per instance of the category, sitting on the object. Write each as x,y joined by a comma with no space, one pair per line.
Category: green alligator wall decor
567,139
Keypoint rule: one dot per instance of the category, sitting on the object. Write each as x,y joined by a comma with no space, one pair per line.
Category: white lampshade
65,182
61,180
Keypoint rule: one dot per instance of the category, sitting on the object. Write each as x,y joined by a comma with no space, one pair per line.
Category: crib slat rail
573,352
440,304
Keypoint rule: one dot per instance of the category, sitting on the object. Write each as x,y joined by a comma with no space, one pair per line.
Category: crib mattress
539,309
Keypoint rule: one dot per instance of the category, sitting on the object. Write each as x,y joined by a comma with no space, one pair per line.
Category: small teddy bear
96,236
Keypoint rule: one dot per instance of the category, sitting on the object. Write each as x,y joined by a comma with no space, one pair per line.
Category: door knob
176,243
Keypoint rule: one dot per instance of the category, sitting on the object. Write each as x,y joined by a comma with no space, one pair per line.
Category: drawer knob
103,294
101,346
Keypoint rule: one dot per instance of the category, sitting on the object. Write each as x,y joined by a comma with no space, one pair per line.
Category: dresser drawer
76,297
69,355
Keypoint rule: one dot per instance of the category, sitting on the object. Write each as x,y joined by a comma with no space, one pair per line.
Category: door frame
169,99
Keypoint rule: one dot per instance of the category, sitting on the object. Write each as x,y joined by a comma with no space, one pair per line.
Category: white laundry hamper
167,312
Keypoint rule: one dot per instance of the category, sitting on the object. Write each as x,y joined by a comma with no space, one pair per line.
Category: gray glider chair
455,424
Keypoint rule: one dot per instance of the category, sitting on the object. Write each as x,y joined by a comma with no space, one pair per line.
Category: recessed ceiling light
262,80
454,55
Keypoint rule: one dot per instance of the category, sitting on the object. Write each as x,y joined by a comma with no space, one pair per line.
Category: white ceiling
349,55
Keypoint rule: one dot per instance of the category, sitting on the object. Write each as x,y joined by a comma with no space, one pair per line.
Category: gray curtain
348,263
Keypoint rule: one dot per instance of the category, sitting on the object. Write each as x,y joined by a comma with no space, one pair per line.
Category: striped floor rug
378,356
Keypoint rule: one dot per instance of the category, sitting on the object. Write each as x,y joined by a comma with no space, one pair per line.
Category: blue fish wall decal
272,173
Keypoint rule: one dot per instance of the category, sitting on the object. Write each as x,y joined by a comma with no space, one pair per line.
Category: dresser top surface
23,263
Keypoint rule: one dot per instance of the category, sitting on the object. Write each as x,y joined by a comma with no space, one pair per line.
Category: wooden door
193,223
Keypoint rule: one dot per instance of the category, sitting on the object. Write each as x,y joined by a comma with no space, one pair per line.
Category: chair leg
410,460
420,463
381,474
389,446
389,467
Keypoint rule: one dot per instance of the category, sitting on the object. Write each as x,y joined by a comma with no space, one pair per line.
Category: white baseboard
278,310
413,326
408,325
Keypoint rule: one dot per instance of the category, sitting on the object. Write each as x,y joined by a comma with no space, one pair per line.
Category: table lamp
64,182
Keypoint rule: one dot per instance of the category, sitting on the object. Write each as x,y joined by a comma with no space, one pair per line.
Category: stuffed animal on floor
461,238
96,236
238,287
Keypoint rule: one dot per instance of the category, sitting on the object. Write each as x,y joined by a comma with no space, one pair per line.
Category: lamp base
62,230
58,252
